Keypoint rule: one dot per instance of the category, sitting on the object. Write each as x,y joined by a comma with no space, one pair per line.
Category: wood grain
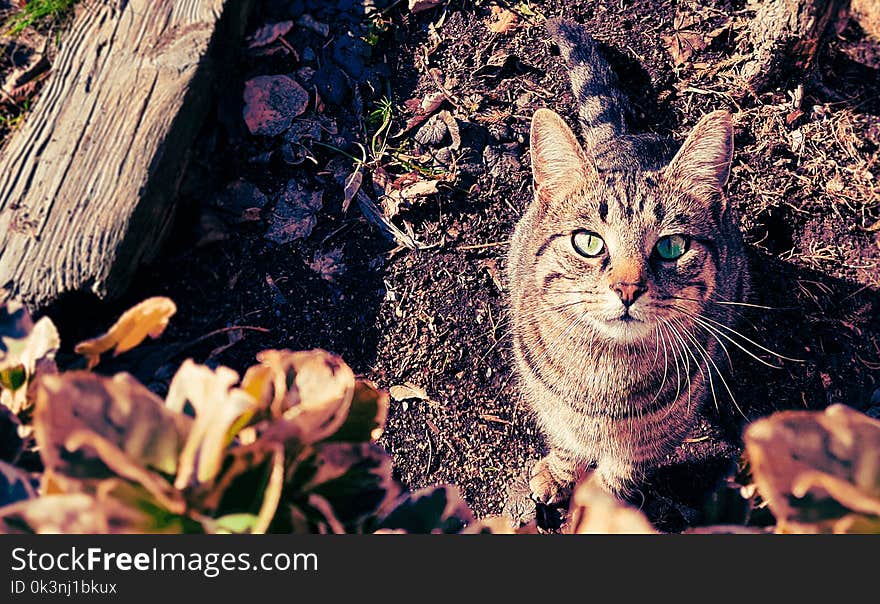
88,185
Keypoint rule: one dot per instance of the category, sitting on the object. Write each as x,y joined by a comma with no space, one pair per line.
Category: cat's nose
629,292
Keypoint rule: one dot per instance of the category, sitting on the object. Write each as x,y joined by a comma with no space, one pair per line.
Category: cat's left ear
702,165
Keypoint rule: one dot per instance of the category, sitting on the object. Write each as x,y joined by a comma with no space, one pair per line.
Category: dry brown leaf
294,215
423,110
269,33
418,189
271,103
328,264
417,6
500,19
818,471
408,391
595,510
149,318
686,38
351,186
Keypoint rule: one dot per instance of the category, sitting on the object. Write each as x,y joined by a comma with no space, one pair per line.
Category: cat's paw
551,481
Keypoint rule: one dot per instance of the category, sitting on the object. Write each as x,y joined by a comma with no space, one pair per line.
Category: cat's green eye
672,247
587,244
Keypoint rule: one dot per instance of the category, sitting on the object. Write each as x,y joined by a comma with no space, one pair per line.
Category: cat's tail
602,106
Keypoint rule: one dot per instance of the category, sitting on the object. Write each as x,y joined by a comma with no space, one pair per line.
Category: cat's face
626,252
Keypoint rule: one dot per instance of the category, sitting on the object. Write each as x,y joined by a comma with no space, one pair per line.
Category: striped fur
611,351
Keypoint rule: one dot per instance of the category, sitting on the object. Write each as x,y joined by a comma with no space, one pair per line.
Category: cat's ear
557,157
702,165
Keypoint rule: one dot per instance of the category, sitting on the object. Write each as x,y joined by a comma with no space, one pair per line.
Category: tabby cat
619,271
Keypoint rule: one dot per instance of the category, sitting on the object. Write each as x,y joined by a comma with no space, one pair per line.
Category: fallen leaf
241,201
271,103
269,33
149,318
408,391
422,109
294,214
500,19
418,189
211,229
309,22
432,132
328,264
417,6
350,180
502,65
683,40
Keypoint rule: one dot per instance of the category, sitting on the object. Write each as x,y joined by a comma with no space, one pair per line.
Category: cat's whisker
675,400
685,333
711,361
699,323
746,338
684,356
674,351
716,332
732,303
656,344
663,381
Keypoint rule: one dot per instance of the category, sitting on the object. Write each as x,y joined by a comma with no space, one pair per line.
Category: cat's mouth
625,327
627,318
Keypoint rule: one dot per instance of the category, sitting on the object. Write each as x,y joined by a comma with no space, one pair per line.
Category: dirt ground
805,178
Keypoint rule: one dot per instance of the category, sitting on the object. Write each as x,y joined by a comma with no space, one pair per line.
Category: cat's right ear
557,157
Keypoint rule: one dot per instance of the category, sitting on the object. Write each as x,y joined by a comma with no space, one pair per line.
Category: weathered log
786,35
88,184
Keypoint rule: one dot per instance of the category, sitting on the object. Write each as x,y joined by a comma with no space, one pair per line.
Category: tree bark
786,35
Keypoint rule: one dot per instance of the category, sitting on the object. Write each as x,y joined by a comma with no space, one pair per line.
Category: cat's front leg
554,476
